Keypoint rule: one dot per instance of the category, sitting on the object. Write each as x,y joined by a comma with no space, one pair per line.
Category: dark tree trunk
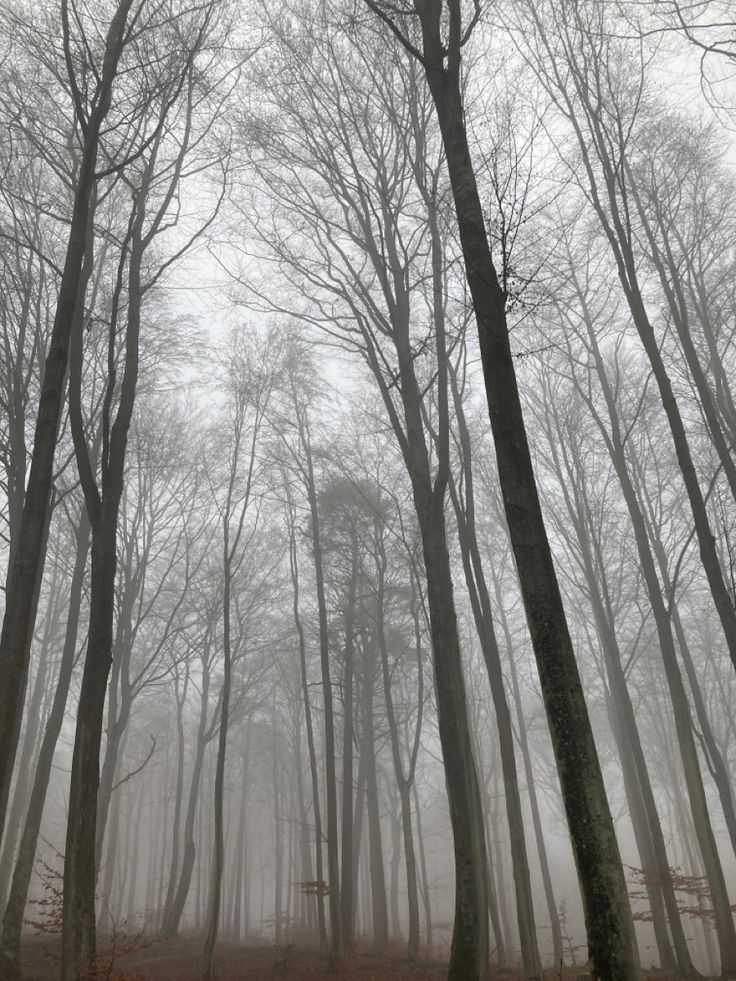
14,910
480,602
611,939
27,568
553,912
30,737
103,506
80,871
703,828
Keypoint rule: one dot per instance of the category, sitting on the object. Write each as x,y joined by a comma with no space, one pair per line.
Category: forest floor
180,959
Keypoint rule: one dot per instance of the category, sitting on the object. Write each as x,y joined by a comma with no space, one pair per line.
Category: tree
365,293
250,382
611,938
91,111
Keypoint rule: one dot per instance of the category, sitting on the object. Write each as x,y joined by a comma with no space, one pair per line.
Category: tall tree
250,382
611,939
154,186
91,87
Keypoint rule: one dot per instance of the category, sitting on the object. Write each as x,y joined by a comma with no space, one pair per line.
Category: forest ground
180,959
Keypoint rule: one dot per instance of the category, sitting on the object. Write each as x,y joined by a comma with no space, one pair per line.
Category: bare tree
91,111
608,918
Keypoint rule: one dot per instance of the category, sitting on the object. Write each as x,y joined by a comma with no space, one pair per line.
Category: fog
367,489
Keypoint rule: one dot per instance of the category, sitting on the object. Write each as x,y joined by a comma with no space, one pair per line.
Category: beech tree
90,115
608,918
374,596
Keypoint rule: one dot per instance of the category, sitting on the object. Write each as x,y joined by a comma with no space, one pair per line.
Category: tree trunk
103,506
179,789
403,781
14,910
80,872
27,568
552,910
480,602
218,854
426,896
335,951
34,719
173,911
611,939
377,872
294,566
681,707
469,951
347,886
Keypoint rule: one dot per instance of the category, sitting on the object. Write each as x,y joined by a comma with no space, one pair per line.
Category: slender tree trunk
481,605
13,918
106,916
681,708
179,789
714,756
103,506
115,736
34,718
469,951
611,938
552,910
393,889
359,810
132,859
237,919
173,912
278,839
426,894
347,886
335,951
294,565
218,854
403,781
496,909
80,872
375,846
27,568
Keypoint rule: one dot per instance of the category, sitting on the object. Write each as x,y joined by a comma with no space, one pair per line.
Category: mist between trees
367,433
